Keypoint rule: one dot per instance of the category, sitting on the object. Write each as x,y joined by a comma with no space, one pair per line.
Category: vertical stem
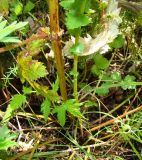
75,73
56,45
75,91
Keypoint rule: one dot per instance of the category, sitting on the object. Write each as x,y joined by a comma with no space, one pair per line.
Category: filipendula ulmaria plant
75,19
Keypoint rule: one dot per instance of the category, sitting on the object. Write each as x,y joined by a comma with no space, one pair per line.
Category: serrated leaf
45,108
16,102
77,49
76,21
35,46
55,86
73,107
116,76
100,61
103,89
126,83
36,70
61,114
75,111
6,138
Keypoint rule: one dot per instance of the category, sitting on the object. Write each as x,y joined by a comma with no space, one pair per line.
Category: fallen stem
112,121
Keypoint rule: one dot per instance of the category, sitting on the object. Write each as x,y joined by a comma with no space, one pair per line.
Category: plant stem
56,44
75,73
75,70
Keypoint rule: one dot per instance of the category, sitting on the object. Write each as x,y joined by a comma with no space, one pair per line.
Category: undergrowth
70,80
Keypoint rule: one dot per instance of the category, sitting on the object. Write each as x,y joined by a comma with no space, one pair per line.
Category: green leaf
45,108
16,102
126,83
4,32
77,49
10,40
3,24
6,138
100,61
35,70
67,4
27,90
35,46
18,9
53,96
95,70
73,107
118,42
4,145
55,86
116,76
89,104
28,7
61,114
3,132
75,32
103,89
75,21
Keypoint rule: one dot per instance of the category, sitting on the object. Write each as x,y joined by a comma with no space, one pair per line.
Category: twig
112,121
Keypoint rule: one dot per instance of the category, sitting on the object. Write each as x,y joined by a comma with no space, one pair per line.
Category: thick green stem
56,44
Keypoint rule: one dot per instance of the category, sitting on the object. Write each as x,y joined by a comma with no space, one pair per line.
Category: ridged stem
56,44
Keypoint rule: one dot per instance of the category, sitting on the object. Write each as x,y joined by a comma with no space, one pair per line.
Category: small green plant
6,138
115,80
70,106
